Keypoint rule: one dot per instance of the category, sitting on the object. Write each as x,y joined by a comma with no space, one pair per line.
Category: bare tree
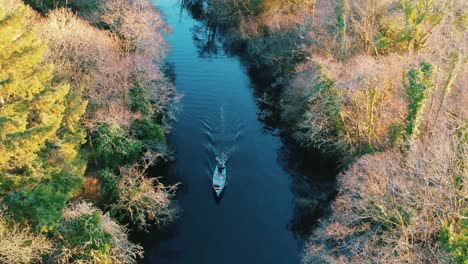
20,245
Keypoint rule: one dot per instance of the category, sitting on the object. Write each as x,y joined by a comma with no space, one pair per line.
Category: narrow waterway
252,222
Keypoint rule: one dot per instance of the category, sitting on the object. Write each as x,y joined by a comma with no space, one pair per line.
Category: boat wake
222,138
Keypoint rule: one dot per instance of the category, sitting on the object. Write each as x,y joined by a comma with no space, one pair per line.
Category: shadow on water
312,183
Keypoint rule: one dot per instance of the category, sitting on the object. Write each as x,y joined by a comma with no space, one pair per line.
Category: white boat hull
219,181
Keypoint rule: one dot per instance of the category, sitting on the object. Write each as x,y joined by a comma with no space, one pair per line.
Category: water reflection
208,37
205,40
204,34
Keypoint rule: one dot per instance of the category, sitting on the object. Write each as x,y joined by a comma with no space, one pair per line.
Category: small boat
219,180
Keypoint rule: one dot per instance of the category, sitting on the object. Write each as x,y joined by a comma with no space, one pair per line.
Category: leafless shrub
76,48
138,23
99,61
122,250
392,207
20,245
90,58
164,98
144,200
365,18
252,21
373,101
116,112
358,109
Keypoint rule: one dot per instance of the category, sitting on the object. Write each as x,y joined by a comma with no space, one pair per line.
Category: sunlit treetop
31,109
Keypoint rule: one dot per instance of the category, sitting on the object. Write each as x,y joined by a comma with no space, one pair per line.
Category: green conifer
40,130
31,110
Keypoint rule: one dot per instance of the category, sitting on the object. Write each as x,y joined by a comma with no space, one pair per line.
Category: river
253,220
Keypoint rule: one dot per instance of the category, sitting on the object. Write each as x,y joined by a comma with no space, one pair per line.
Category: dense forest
85,108
84,111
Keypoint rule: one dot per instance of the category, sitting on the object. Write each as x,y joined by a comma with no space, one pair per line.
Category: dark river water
254,221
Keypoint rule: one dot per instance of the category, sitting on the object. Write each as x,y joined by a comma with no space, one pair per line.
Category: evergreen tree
31,109
40,131
418,86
